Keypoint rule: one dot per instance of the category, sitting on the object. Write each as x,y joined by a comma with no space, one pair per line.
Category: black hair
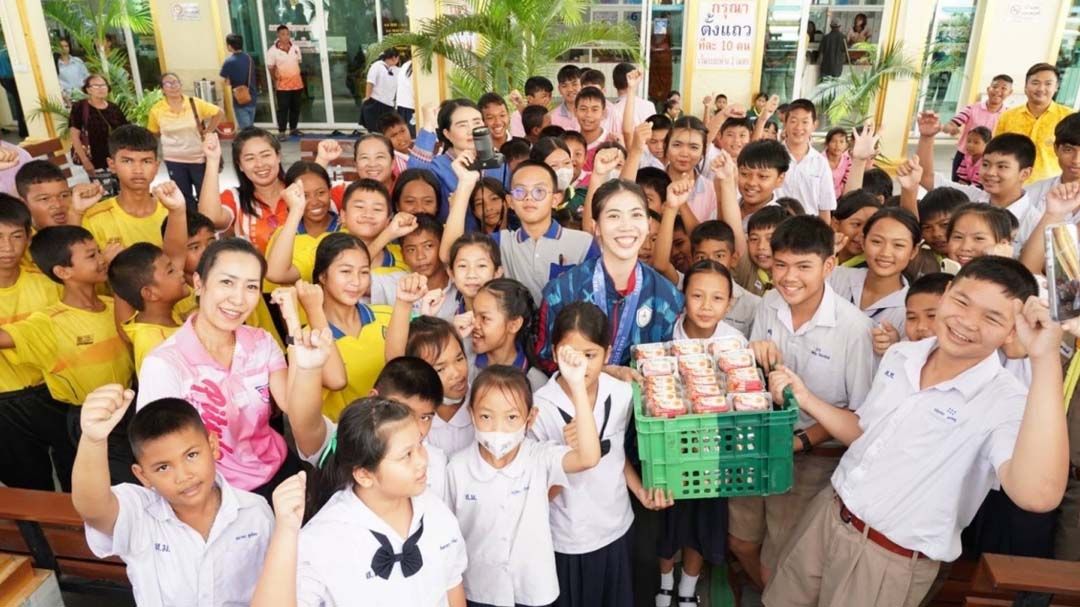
655,179
131,270
530,163
410,175
804,235
246,188
51,247
496,187
765,154
365,185
511,382
671,103
853,202
389,53
659,122
532,117
228,245
591,77
1003,78
767,217
388,121
941,201
425,223
515,148
833,132
361,443
877,182
196,222
477,239
160,418
996,219
611,188
552,130
86,82
536,84
713,229
803,104
1016,145
490,98
568,73
898,214
282,27
34,172
545,147
306,167
446,117
132,138
930,284
569,135
654,216
1043,67
760,95
613,145
691,123
983,133
430,334
585,318
1006,272
791,205
330,248
619,75
235,41
516,301
1067,132
737,123
14,213
410,376
709,266
377,137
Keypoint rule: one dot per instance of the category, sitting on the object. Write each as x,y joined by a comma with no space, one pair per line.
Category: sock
687,584
667,582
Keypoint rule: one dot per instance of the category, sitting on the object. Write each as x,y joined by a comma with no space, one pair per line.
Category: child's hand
103,410
1039,335
1063,199
8,158
517,99
783,377
431,302
289,498
328,151
463,324
286,299
411,288
431,116
771,106
211,148
569,433
605,161
723,167
86,195
311,348
402,223
625,374
294,198
641,134
1001,249
572,365
467,177
734,110
840,240
929,124
767,354
310,295
112,250
883,337
909,174
654,499
169,195
678,192
633,78
865,146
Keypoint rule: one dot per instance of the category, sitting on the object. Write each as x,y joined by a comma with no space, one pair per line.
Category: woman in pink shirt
227,370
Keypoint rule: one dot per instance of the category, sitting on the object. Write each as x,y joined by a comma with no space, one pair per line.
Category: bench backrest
51,150
309,149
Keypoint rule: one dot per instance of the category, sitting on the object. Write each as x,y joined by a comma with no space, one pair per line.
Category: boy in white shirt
186,536
943,424
809,180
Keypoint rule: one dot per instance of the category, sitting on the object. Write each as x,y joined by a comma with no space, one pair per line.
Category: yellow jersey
364,358
1040,130
30,293
303,253
144,337
109,223
76,350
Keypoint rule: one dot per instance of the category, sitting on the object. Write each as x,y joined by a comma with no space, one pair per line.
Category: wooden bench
309,149
45,526
51,150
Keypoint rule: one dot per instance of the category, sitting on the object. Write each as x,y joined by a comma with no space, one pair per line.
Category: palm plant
847,99
498,44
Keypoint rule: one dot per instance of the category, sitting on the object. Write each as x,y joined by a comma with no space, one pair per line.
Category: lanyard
627,309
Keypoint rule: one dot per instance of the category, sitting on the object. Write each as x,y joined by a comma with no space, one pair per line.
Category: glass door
304,18
1068,60
350,27
948,52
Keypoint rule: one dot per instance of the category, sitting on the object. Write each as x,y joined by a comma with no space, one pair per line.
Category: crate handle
789,398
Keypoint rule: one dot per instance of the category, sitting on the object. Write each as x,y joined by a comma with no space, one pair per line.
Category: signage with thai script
725,36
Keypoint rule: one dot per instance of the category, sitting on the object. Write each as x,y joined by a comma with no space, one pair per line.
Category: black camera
486,156
109,183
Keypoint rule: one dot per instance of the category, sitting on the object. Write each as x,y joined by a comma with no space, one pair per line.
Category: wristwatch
807,446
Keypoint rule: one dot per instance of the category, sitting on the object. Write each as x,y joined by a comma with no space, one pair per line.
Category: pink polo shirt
233,402
703,199
972,116
561,116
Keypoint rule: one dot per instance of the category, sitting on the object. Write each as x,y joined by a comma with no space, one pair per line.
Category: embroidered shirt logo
644,315
818,352
948,413
84,340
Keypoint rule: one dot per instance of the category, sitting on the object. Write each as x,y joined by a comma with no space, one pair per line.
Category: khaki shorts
783,512
1067,537
746,519
828,563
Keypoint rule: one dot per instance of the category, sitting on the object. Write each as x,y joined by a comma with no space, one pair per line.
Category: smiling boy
809,180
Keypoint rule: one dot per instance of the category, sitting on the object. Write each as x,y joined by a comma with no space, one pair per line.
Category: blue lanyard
627,311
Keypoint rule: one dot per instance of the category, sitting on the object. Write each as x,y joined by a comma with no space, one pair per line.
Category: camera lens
485,149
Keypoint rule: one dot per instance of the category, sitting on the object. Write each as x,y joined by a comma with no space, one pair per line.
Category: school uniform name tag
644,315
818,352
947,414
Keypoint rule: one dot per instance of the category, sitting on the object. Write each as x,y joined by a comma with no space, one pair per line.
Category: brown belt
873,535
1074,472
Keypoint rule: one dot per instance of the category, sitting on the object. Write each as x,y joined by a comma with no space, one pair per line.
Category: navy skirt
600,578
700,524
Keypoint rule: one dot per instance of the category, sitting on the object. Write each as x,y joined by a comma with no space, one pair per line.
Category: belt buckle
845,514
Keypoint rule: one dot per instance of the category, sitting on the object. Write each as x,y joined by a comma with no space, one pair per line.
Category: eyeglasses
97,85
170,84
538,193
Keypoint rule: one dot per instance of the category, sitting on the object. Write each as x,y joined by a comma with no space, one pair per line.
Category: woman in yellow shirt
180,121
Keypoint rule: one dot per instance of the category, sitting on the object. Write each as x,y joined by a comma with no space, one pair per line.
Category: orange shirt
258,227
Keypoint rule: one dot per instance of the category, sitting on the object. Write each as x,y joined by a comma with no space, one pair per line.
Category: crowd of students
451,351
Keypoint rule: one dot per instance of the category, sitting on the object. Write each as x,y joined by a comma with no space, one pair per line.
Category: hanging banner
725,37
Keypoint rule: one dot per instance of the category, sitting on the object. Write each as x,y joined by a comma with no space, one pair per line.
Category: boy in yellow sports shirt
74,342
133,215
31,422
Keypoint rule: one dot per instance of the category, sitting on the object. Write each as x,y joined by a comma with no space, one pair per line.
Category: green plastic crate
716,454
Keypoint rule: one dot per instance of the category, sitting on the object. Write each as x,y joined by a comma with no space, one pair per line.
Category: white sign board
725,36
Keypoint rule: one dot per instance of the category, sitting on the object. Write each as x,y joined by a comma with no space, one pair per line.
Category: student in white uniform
503,317
891,239
803,324
707,290
186,536
942,425
439,344
375,535
591,515
405,379
499,485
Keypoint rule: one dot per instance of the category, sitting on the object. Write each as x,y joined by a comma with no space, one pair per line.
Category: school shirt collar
366,316
352,510
896,299
554,232
811,154
824,316
967,383
461,418
520,360
485,472
228,511
335,225
1020,207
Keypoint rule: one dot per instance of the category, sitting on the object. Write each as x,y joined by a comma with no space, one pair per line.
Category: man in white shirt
382,87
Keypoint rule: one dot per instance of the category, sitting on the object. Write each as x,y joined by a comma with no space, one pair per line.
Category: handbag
202,129
242,93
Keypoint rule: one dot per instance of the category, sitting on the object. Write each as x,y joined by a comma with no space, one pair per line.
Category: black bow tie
605,444
382,563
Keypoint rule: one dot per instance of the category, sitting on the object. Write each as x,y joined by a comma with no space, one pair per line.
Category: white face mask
564,175
500,443
614,174
452,401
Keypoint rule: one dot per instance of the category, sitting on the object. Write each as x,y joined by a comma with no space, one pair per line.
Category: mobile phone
949,266
1063,271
